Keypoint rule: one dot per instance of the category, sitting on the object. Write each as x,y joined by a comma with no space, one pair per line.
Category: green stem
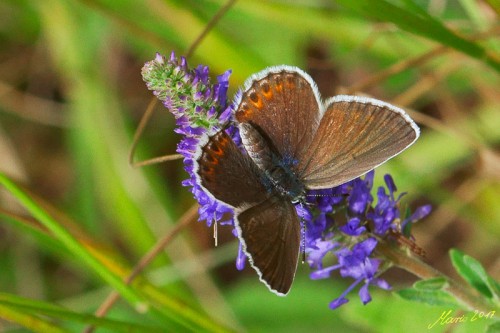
419,268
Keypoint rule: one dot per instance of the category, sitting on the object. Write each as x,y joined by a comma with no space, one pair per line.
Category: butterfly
293,142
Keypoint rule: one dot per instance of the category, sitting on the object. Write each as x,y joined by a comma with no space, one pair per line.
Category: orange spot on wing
244,113
256,100
218,151
268,94
259,105
290,82
267,91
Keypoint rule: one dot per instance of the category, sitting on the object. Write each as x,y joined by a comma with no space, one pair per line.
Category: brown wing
225,172
270,235
283,104
354,136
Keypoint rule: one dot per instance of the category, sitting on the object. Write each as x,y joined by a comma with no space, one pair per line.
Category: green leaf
493,328
431,297
438,283
415,20
473,272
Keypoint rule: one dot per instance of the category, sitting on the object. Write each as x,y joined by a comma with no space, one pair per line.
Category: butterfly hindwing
270,235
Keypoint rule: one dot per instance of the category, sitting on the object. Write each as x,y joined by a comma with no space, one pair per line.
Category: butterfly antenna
303,242
303,223
326,195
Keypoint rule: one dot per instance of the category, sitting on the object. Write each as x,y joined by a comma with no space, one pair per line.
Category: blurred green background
71,96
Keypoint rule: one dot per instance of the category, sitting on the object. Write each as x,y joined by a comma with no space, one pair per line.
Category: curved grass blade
34,308
415,20
32,322
170,311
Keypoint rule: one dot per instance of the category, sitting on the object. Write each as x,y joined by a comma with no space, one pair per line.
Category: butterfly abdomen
256,146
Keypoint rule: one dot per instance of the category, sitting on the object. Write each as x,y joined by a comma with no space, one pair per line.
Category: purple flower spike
198,106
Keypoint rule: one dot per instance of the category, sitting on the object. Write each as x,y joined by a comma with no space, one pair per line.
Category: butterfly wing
354,136
270,235
226,173
268,226
283,104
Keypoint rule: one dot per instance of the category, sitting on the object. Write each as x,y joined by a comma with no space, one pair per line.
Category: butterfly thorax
283,180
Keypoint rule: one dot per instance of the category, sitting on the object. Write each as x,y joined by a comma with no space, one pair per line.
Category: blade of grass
146,260
310,23
170,309
419,22
35,308
28,226
174,26
98,139
109,258
69,241
34,323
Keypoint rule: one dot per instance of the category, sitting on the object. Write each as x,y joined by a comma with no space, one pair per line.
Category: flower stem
414,265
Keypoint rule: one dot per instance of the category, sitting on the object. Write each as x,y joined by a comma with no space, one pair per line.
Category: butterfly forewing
283,106
354,136
270,235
